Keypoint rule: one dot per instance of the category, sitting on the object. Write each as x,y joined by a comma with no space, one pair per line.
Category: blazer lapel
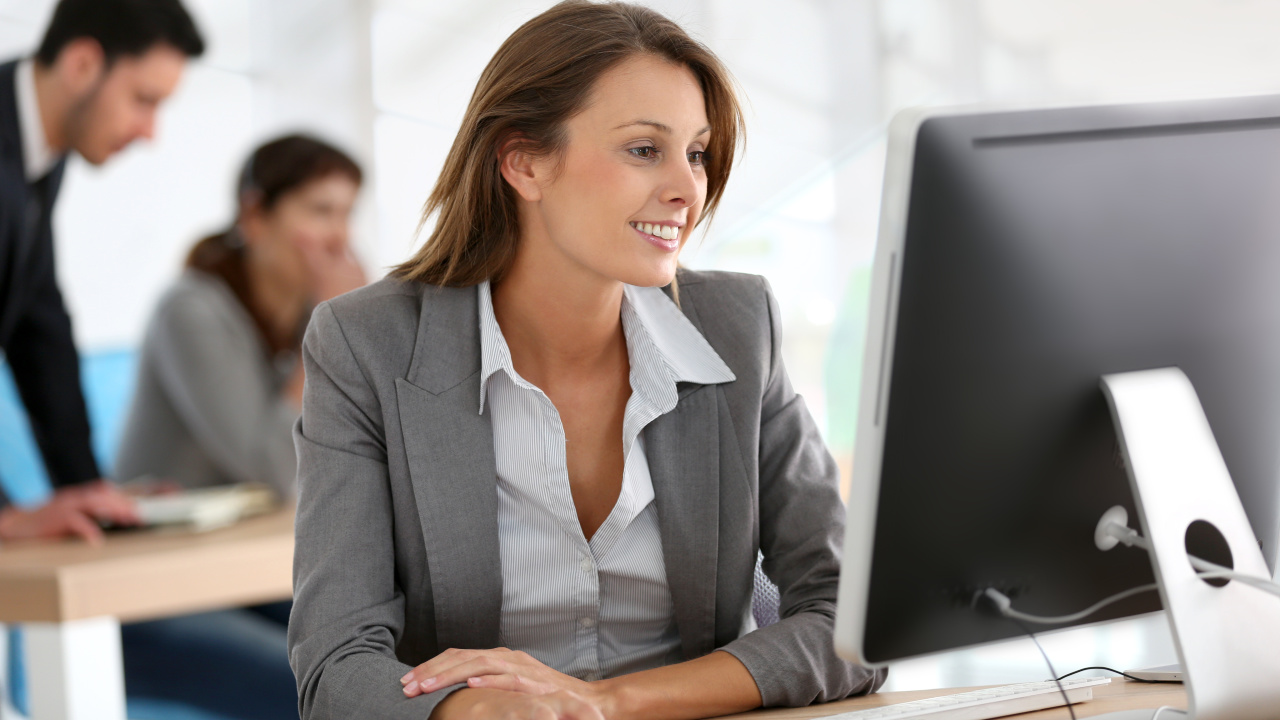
684,461
449,446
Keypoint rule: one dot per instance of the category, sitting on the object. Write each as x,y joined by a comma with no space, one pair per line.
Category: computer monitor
1021,257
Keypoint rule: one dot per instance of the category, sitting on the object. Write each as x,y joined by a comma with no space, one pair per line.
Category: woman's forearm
715,684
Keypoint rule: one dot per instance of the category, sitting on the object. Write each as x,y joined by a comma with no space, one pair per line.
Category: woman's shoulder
385,317
735,312
394,303
197,299
730,301
742,287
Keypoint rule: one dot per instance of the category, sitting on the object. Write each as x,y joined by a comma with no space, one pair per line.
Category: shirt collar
649,318
37,157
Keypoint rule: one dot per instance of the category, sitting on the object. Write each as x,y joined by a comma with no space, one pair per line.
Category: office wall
389,79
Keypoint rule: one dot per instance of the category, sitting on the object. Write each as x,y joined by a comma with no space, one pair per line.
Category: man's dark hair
121,27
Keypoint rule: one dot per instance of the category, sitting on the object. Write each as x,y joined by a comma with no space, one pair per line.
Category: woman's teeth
666,232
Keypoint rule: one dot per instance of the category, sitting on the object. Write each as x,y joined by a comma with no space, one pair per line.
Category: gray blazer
397,538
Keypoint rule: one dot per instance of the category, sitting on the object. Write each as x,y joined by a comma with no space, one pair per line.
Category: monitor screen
1022,256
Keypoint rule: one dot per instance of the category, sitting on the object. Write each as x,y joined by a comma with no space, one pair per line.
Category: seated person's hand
480,704
332,267
75,510
502,683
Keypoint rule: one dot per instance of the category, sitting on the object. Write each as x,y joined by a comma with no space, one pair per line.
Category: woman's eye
648,152
698,157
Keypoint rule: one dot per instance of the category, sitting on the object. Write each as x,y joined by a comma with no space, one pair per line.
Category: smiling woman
530,483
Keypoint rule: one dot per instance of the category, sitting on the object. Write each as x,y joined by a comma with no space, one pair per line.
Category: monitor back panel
1042,250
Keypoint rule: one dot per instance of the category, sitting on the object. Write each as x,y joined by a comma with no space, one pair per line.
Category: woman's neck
559,321
277,300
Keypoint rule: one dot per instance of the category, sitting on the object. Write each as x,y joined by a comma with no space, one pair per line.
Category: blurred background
389,80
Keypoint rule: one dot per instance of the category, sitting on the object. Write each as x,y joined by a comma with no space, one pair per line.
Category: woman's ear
521,169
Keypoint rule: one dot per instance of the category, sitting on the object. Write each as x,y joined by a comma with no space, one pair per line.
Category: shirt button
587,622
592,677
586,563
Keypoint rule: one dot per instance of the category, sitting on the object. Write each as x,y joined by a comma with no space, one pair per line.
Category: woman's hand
483,704
498,669
333,269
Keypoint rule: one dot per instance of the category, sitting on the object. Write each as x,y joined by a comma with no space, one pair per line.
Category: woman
219,389
220,382
462,484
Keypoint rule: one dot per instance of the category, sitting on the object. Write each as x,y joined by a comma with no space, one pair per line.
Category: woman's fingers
432,667
511,682
484,664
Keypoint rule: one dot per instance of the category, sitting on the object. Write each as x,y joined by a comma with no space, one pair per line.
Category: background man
93,87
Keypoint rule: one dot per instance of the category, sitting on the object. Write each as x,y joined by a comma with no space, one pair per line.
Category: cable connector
1113,529
994,601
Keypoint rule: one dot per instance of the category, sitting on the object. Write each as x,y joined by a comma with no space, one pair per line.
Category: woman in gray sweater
219,382
219,387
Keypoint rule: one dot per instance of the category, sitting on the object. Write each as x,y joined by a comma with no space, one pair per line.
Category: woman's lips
668,245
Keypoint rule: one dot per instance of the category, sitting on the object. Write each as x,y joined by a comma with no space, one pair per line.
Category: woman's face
313,219
623,196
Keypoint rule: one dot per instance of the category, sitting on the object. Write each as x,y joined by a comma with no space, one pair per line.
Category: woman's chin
650,274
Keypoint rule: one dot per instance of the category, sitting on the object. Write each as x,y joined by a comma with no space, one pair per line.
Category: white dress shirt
37,157
596,608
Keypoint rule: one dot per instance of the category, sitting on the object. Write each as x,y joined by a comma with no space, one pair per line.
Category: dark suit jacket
397,553
35,331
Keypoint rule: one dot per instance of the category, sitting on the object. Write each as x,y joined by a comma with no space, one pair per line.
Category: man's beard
79,122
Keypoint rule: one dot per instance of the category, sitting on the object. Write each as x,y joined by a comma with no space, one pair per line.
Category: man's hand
72,510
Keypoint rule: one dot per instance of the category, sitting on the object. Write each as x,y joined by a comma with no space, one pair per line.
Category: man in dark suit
93,87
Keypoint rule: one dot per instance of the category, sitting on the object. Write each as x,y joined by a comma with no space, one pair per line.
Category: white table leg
75,670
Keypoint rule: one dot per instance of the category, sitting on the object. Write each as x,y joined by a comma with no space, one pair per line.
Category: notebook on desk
207,508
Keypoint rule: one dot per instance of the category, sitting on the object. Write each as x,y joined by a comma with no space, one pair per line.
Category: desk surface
1119,695
139,575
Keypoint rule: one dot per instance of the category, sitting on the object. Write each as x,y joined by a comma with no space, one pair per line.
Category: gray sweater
208,408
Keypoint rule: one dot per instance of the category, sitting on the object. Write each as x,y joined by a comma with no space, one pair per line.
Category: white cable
1114,527
1162,708
1005,606
1251,581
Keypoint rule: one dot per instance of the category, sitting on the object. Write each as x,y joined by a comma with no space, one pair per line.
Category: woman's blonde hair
540,77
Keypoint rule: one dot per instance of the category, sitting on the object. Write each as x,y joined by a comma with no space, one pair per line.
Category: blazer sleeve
46,369
794,661
348,610
212,371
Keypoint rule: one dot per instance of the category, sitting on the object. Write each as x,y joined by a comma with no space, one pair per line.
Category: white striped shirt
598,608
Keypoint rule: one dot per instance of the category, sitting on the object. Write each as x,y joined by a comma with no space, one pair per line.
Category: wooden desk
71,598
1119,695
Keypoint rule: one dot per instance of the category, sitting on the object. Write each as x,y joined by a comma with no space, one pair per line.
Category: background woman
220,382
219,389
531,484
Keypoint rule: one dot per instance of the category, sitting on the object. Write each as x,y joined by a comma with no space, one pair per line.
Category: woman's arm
348,610
715,684
794,661
212,371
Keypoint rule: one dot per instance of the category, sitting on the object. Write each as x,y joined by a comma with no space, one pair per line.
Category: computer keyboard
991,702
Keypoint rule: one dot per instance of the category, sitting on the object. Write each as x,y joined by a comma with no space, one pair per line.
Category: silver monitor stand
1227,636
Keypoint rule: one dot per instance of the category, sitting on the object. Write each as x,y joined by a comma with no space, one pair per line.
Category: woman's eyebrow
661,127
